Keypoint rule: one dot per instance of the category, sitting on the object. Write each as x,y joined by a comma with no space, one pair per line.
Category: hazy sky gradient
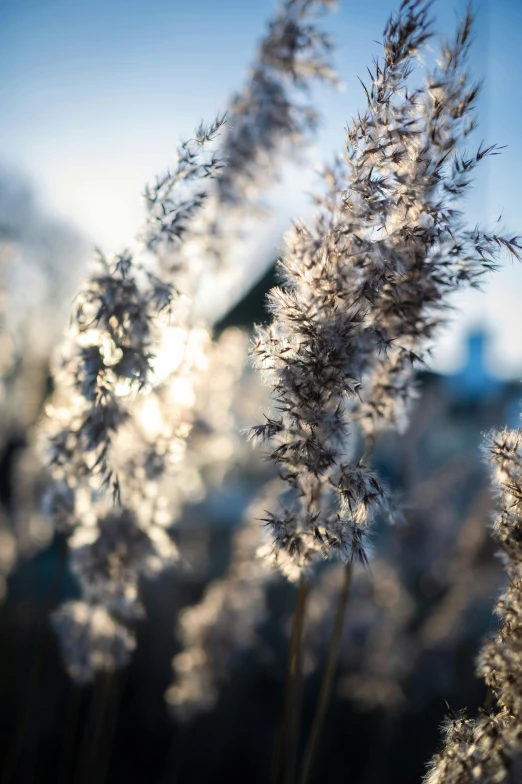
95,96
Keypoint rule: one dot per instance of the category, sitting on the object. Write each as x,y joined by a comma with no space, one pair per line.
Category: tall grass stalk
290,701
34,678
316,732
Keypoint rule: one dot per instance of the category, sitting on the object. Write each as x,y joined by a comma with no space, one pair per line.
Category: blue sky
95,95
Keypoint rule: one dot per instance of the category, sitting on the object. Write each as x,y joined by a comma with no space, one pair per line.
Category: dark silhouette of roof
251,309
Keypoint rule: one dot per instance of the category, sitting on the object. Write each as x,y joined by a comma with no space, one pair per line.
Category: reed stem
292,673
316,732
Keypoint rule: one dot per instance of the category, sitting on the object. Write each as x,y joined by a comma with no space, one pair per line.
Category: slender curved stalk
72,720
115,686
35,673
91,732
292,673
294,722
328,676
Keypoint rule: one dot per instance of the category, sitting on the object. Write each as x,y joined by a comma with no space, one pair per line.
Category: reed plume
489,748
364,289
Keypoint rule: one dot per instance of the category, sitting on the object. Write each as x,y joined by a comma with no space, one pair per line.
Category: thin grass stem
34,678
291,673
72,721
292,741
316,732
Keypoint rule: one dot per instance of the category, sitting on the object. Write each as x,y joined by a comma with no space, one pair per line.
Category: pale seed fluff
363,291
129,387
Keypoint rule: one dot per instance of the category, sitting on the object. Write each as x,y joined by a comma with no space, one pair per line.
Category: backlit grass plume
109,472
489,749
364,288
